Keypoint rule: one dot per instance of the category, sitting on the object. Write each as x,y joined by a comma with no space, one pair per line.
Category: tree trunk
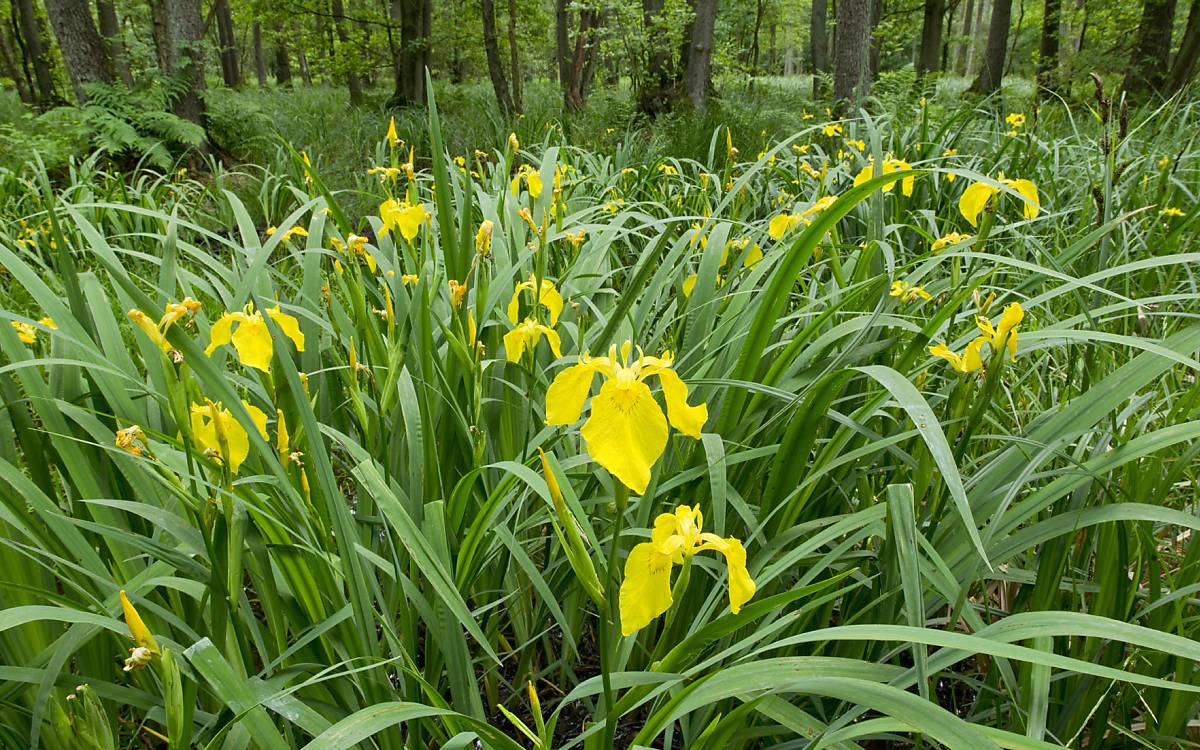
185,57
260,60
991,73
110,30
83,51
657,86
1015,33
697,76
574,95
960,61
302,63
514,58
9,61
158,29
754,49
227,45
283,60
492,51
413,54
875,43
35,49
1147,71
353,82
561,52
850,82
929,59
818,43
1184,66
1048,48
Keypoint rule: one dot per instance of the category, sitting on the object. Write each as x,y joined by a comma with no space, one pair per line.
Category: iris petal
289,325
565,397
221,330
252,341
626,432
646,588
973,199
687,419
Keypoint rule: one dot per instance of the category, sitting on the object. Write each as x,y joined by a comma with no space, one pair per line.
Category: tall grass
1002,558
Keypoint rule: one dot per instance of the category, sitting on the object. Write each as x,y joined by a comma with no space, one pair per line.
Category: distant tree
28,35
260,59
850,65
818,42
110,30
697,73
83,51
1148,62
227,52
574,59
1184,66
353,82
514,58
930,56
182,34
1048,47
412,57
8,58
658,83
491,49
283,58
991,73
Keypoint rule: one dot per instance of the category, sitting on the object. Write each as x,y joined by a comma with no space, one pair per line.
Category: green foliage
401,571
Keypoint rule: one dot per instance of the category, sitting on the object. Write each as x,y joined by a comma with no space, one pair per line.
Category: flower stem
611,619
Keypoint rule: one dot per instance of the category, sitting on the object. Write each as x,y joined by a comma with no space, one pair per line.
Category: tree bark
929,59
83,51
227,45
35,49
818,43
874,42
260,60
1184,66
1147,70
697,75
657,87
413,54
185,58
561,52
9,60
491,50
353,82
110,30
991,73
1048,47
514,58
283,60
754,48
960,60
850,81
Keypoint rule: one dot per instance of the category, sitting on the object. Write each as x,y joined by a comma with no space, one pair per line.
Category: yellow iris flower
222,436
25,332
526,335
146,648
252,339
784,223
532,178
907,292
977,195
889,165
547,296
626,432
953,238
157,332
393,138
999,336
646,589
483,238
400,215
